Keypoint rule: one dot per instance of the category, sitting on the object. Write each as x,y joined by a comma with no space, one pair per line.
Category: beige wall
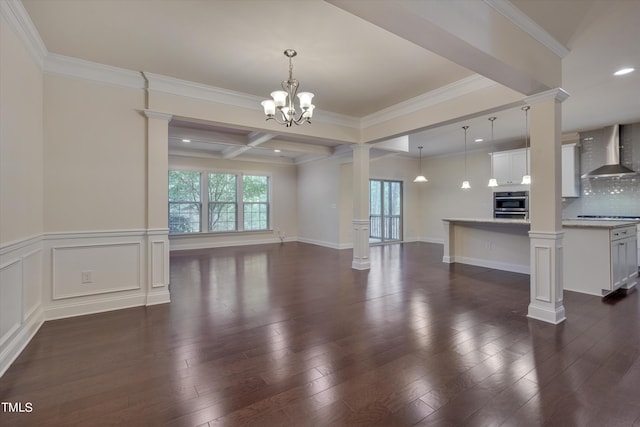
21,180
443,197
95,151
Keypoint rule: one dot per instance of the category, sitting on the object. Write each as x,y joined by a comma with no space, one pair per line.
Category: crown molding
158,115
86,70
528,25
22,25
173,86
429,99
557,94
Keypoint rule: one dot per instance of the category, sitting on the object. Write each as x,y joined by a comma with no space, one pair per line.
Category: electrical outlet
87,276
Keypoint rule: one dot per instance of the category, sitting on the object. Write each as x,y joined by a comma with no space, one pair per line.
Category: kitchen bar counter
566,223
589,262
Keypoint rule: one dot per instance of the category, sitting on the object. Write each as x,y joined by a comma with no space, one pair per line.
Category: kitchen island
599,257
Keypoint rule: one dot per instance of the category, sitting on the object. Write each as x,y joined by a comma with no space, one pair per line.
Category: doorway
385,211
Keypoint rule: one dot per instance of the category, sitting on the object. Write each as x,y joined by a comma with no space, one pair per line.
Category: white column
360,207
545,197
157,205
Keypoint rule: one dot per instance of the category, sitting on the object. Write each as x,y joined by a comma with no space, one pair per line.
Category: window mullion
204,200
239,203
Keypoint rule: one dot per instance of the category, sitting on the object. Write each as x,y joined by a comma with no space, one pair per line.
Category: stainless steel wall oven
511,204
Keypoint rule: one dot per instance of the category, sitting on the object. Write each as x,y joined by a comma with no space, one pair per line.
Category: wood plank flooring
290,335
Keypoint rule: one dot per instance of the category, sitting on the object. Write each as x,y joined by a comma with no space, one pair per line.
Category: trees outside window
185,203
255,200
234,202
223,206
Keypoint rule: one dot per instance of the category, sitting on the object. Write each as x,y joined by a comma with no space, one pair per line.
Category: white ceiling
354,67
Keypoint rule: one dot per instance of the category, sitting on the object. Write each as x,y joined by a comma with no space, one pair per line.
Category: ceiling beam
253,140
472,34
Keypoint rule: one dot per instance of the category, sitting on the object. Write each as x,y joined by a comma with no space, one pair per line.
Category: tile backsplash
607,196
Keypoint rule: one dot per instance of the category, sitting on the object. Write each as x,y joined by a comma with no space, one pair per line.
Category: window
222,202
233,202
185,203
255,201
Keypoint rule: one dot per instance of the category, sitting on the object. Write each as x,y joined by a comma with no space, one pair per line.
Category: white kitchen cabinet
570,171
624,270
509,166
599,259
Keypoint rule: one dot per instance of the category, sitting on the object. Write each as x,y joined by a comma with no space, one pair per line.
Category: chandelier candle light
465,183
492,180
421,177
282,100
526,179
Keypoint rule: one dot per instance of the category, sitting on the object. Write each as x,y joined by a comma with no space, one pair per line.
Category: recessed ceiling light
479,140
623,71
186,140
276,151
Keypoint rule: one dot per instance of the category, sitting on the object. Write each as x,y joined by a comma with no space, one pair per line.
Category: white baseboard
516,268
194,243
18,343
432,240
81,308
325,244
156,298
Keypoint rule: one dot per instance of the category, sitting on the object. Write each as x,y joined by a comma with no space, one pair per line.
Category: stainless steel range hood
612,168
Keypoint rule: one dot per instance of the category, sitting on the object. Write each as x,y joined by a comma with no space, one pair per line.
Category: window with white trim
255,202
223,203
232,202
185,202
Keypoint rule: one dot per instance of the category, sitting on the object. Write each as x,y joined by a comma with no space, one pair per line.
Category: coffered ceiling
355,68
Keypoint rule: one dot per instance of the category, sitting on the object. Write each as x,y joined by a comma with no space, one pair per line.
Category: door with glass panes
385,210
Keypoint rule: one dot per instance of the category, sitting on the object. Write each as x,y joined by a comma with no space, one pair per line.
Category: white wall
21,194
318,202
443,197
284,202
326,198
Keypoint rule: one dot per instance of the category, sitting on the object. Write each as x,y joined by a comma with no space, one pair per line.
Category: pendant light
465,183
492,180
420,178
526,179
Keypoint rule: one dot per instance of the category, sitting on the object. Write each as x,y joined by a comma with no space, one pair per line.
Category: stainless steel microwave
510,204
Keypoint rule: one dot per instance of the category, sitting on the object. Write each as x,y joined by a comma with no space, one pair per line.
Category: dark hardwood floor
290,335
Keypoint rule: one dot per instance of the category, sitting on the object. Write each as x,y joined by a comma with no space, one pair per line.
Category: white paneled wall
59,275
99,271
20,297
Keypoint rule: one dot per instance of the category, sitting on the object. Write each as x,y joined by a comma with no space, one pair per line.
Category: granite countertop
490,220
566,223
594,223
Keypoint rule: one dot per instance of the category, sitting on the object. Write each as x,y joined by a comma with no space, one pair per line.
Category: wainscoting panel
159,263
95,271
20,296
10,299
92,269
32,282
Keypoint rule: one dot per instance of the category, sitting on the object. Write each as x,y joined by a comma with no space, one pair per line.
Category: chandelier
282,100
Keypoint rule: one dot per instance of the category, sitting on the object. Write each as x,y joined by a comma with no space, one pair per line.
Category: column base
546,277
358,264
360,244
547,315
